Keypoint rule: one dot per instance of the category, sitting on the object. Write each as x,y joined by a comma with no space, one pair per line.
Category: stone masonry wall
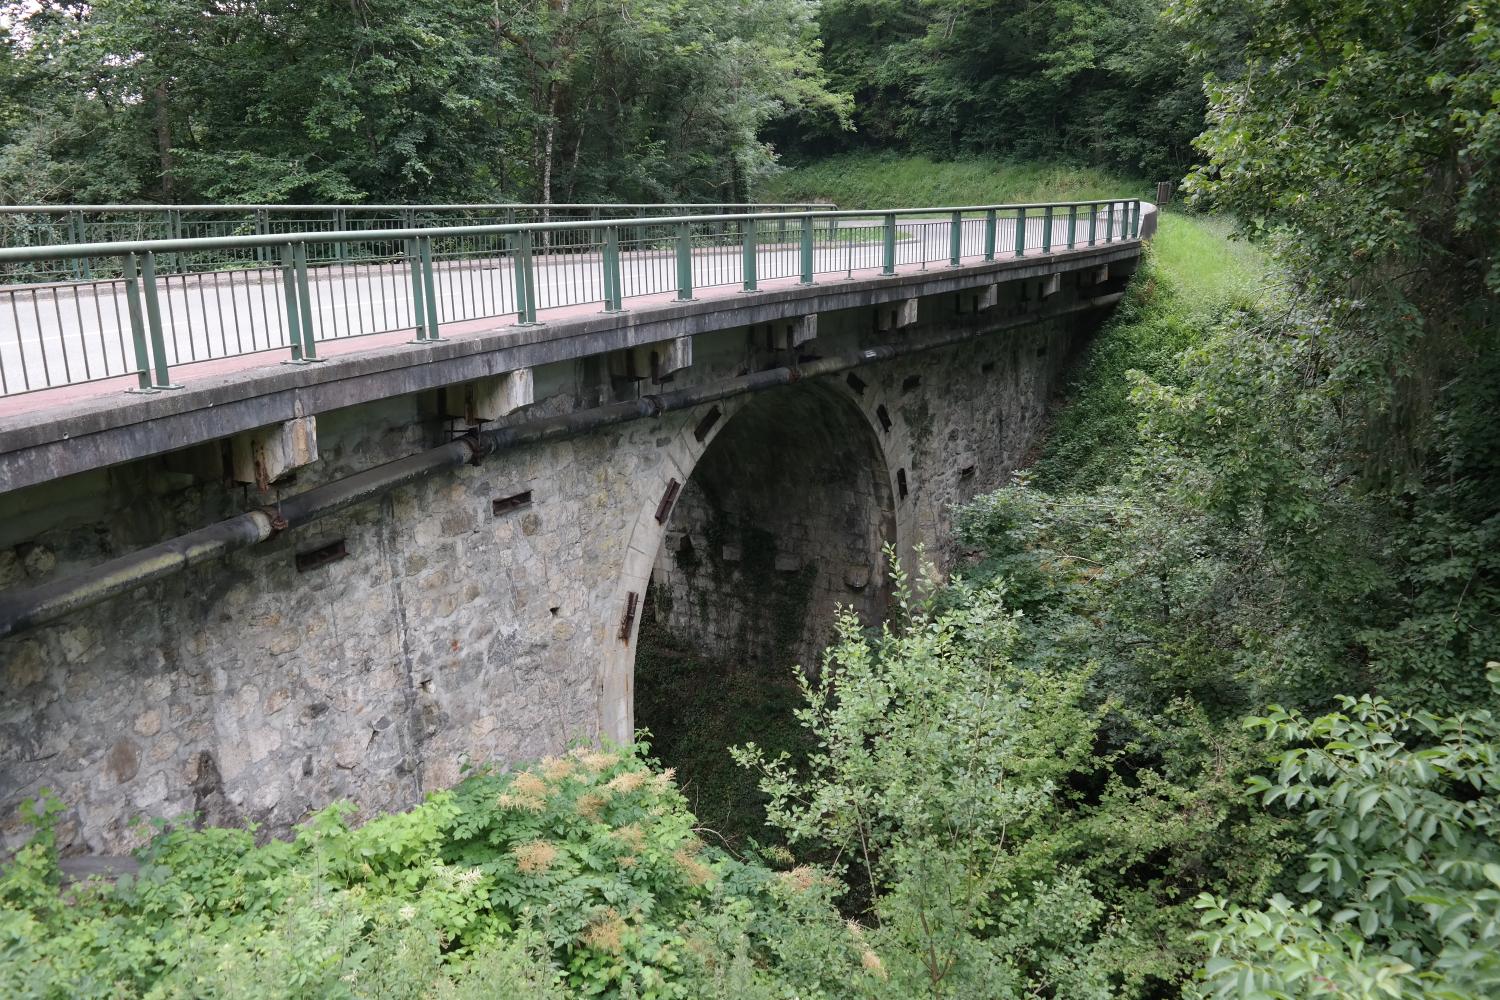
450,634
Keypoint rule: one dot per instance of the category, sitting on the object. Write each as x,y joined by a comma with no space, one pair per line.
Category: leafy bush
1402,887
581,876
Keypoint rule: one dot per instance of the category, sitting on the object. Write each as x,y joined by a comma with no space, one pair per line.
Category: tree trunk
164,139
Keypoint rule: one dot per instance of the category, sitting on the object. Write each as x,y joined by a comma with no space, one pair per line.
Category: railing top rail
364,207
122,248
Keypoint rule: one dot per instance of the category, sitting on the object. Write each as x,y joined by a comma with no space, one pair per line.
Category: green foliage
1402,885
579,877
121,100
1101,82
938,767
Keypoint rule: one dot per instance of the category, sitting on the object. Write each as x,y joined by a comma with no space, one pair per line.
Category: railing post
1093,222
340,224
1114,215
612,291
293,307
684,262
429,286
989,234
80,265
1047,230
174,232
153,323
888,254
414,272
304,302
1021,231
525,281
1072,226
262,227
750,251
955,239
807,250
1135,219
137,324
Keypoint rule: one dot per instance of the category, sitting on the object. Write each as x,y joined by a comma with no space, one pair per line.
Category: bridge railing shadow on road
136,309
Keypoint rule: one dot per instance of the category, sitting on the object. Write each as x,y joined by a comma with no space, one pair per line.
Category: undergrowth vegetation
581,876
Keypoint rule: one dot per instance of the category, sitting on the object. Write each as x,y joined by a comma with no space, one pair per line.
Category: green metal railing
64,225
147,307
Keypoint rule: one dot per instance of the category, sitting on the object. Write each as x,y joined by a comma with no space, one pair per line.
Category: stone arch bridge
285,585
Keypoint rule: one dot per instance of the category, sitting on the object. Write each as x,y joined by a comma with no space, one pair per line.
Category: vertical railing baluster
807,250
429,286
684,262
75,235
262,227
1072,226
748,269
304,302
153,322
414,275
293,306
137,324
1021,231
888,245
613,294
340,224
989,234
525,281
174,232
1047,229
1093,222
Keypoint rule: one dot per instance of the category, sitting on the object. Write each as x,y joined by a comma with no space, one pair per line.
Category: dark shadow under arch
781,522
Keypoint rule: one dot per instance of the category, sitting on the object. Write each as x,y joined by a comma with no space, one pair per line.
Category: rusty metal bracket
664,509
277,519
627,622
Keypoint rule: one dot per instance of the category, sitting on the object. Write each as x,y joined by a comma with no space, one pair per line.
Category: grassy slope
885,180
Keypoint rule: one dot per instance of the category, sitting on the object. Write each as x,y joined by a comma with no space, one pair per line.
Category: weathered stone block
266,454
491,398
896,315
789,334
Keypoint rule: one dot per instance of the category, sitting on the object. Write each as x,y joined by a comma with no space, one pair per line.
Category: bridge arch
763,528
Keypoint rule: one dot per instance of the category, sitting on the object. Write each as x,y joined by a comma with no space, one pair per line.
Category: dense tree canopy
1099,81
270,100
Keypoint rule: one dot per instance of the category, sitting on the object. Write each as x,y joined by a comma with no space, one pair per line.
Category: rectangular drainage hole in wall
987,367
321,556
967,472
901,482
505,505
855,383
884,416
910,382
707,424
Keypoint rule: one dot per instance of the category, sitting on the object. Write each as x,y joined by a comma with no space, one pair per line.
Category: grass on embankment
1194,270
889,180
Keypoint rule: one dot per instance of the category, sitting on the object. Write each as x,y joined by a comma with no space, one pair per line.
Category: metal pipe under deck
21,611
